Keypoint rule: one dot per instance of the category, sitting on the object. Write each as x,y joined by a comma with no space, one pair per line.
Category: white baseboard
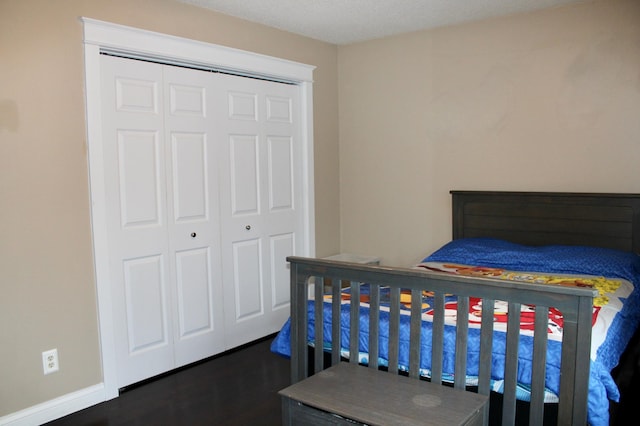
57,407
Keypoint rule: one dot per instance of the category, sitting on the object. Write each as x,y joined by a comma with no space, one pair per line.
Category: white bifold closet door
261,178
201,179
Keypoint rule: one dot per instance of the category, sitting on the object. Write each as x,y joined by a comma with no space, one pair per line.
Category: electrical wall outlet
50,361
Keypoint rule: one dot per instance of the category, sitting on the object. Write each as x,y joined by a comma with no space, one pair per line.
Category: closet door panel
242,105
259,137
280,173
193,271
134,167
193,214
189,161
137,94
248,282
244,174
282,214
146,304
242,244
139,155
281,246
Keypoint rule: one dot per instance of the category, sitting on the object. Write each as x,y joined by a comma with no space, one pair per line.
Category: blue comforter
501,254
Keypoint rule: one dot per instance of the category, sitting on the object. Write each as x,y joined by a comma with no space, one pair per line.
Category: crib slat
576,332
583,358
536,409
462,332
336,344
318,295
394,328
414,334
374,324
354,324
299,315
511,364
437,337
486,346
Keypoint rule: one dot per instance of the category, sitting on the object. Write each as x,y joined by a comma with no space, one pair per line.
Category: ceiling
349,21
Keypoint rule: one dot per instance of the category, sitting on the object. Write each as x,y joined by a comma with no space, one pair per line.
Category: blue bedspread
501,254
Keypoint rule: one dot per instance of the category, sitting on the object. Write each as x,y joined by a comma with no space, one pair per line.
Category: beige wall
542,101
47,281
545,101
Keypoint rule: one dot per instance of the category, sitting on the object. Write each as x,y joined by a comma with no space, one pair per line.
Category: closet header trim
141,44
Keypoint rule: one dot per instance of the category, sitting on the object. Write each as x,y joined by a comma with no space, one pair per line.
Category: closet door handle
193,235
248,227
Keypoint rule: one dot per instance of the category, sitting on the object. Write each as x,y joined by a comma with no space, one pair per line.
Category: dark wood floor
236,388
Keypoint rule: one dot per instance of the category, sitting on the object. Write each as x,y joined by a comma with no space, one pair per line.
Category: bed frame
605,220
543,218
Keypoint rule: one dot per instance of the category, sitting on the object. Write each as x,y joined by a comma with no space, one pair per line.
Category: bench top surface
376,398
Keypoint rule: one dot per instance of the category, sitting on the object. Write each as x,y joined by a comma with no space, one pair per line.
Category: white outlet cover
50,361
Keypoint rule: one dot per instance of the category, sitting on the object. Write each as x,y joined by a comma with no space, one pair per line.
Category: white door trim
102,36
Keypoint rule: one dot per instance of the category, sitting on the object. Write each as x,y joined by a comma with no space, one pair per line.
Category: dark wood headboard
542,218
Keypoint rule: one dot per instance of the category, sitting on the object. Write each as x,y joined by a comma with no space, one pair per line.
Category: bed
541,353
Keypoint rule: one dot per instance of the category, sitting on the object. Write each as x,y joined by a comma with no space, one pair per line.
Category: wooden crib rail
310,276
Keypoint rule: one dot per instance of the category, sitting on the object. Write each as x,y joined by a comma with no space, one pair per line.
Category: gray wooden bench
348,394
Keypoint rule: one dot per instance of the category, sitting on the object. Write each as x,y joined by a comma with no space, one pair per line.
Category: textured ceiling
350,21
